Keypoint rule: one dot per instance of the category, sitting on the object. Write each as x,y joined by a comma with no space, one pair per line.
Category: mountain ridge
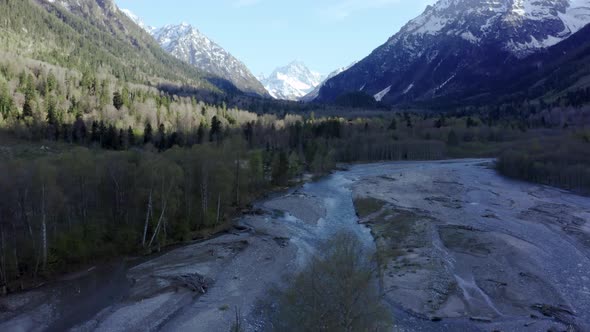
188,44
454,43
292,81
315,92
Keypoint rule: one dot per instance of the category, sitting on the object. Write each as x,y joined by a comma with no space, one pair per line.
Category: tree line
562,161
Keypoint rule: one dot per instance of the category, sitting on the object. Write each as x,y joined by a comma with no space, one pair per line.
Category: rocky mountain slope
552,73
291,82
186,43
457,43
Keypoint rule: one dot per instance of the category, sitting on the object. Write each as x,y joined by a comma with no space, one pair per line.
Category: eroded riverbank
473,251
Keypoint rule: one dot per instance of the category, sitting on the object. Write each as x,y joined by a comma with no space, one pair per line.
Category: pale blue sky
264,34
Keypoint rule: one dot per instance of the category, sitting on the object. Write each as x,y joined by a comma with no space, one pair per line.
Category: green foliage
557,161
95,202
216,132
335,291
89,36
6,101
280,169
367,206
147,133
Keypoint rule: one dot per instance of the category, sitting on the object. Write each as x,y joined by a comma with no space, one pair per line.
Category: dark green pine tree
122,140
111,140
51,114
130,136
28,105
102,133
280,169
216,132
214,128
94,132
200,133
147,133
118,100
161,141
79,131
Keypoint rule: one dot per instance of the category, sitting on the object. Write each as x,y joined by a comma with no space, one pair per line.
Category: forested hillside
89,37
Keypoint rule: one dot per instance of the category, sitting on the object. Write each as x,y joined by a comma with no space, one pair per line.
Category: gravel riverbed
483,253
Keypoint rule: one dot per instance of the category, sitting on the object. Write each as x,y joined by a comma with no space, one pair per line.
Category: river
266,249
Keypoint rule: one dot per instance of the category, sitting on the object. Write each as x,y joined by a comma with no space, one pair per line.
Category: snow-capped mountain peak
292,81
187,43
522,26
137,20
456,43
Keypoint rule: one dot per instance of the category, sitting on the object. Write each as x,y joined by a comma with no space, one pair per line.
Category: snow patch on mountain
410,87
291,82
379,96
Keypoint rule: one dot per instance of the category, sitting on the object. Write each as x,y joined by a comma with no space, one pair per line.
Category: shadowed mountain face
455,45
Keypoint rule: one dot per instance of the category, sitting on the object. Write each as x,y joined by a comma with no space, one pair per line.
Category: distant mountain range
460,49
291,82
188,44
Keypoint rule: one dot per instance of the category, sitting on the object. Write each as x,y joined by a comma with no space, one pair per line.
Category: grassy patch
367,206
465,241
393,230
